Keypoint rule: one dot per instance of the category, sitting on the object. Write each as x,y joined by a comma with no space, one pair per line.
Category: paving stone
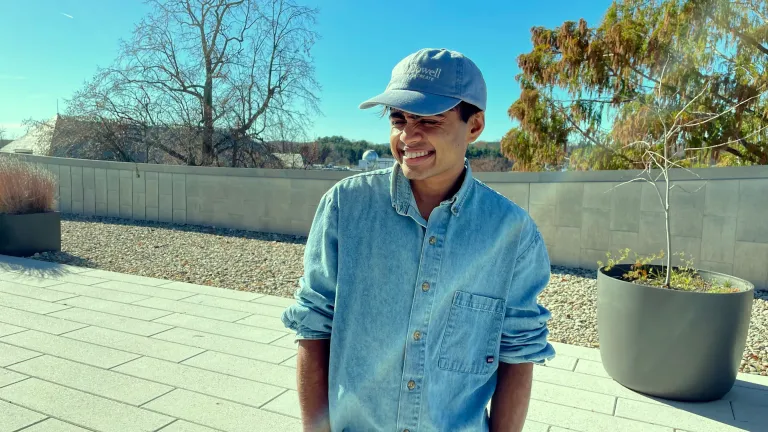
33,321
532,426
202,381
291,362
585,421
252,307
577,351
7,329
33,266
269,373
14,417
135,344
81,408
267,322
563,362
8,377
223,328
710,416
51,279
227,345
29,304
129,278
34,281
10,354
575,398
214,291
193,309
36,293
67,348
100,293
590,367
151,291
287,341
286,404
748,395
586,382
115,308
90,379
282,302
752,381
752,415
221,414
184,426
114,322
53,425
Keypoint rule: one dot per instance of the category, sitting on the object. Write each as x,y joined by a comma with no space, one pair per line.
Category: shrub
684,277
25,188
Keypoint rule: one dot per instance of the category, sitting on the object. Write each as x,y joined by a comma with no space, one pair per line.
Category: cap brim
418,103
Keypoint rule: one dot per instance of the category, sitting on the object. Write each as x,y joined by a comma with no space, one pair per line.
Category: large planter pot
24,235
677,345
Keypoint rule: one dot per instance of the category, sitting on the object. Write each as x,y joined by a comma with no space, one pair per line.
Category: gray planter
24,235
676,345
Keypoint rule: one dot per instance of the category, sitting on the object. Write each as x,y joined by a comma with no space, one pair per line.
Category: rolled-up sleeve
311,317
524,332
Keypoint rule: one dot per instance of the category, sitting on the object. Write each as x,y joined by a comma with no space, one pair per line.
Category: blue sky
48,48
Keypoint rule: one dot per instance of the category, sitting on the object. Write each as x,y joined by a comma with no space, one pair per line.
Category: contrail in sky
67,15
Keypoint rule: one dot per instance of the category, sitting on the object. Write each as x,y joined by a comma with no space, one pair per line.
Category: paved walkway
93,350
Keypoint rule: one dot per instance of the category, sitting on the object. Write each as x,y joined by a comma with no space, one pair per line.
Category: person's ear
476,125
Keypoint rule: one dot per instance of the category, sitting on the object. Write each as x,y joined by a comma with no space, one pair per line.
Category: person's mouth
413,158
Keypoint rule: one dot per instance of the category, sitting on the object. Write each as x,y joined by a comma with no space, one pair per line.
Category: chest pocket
470,341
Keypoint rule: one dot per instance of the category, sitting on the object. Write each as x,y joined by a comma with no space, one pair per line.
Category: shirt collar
402,195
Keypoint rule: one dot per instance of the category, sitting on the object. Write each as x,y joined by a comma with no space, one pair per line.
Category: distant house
32,142
290,160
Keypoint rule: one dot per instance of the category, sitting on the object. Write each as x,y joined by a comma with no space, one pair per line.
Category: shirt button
416,335
411,385
425,286
432,240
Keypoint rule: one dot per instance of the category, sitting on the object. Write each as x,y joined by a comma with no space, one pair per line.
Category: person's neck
429,193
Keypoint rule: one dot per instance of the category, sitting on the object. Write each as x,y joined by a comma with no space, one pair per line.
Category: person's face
432,147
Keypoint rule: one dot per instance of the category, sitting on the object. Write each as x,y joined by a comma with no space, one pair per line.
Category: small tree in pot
28,222
671,331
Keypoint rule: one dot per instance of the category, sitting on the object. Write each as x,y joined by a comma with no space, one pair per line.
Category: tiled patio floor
93,350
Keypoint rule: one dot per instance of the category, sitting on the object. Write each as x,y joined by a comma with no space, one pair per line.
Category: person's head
435,101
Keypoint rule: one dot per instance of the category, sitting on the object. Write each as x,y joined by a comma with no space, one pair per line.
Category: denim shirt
419,313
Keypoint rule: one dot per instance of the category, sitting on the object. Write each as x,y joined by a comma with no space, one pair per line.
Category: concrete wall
720,219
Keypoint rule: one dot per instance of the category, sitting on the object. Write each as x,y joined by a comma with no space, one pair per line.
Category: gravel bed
272,264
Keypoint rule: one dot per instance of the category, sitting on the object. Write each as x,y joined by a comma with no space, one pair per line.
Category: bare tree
657,154
208,82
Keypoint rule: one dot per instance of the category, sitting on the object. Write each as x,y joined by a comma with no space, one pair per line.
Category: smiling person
418,304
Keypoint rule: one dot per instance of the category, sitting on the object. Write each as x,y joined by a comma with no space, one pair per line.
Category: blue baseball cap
432,81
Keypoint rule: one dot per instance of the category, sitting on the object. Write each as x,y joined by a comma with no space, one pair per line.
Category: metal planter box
677,345
24,235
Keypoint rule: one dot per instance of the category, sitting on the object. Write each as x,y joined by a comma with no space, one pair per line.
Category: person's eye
397,123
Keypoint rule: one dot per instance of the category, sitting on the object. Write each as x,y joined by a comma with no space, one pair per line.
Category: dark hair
466,110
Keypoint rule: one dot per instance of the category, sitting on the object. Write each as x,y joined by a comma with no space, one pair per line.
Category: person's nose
410,135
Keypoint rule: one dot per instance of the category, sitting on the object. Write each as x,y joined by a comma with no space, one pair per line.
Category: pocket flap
476,301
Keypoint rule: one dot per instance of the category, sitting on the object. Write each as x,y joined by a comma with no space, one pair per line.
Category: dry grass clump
25,188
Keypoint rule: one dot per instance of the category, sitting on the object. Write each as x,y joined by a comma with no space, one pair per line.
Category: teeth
410,155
